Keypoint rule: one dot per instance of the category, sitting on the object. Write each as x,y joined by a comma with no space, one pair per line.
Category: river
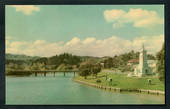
62,90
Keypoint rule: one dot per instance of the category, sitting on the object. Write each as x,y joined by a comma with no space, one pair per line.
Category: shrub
98,81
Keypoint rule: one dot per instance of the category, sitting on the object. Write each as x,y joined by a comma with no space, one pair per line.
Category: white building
142,68
152,65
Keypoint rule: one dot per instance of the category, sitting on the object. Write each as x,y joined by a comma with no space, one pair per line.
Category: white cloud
74,41
26,9
88,47
89,40
153,43
139,17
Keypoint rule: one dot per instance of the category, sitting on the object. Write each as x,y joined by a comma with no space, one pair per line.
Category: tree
161,64
85,69
150,57
89,67
96,69
108,63
34,66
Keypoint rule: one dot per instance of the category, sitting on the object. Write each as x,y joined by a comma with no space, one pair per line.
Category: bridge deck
42,71
35,72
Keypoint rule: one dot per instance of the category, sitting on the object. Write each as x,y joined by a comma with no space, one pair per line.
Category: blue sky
64,23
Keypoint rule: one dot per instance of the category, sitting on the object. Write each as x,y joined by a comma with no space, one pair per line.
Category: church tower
143,61
143,68
143,65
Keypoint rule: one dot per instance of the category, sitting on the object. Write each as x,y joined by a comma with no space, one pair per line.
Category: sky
85,30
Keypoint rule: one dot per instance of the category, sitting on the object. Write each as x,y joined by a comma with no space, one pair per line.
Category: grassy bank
124,82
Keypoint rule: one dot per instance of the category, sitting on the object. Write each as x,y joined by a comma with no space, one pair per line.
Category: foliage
62,61
89,67
161,64
98,81
121,61
64,67
126,68
16,64
9,56
151,57
68,61
84,70
96,68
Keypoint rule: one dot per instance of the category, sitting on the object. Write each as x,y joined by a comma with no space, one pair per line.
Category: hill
9,56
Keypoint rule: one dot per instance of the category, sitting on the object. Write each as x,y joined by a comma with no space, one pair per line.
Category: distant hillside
84,58
20,57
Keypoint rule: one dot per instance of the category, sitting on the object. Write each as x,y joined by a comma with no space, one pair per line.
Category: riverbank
122,83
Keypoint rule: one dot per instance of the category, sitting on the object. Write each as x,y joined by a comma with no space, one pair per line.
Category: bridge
36,72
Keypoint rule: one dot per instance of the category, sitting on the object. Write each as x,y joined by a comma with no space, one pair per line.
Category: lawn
124,82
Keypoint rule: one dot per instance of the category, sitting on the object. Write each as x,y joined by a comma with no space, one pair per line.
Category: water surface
62,90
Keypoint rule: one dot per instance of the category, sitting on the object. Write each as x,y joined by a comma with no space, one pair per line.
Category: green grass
124,82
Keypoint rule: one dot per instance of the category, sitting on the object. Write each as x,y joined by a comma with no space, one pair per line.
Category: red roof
133,61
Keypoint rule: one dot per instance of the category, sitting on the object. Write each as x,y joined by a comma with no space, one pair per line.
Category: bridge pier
74,74
54,74
35,74
44,73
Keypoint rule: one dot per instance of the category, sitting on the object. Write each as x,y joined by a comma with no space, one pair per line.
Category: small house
133,62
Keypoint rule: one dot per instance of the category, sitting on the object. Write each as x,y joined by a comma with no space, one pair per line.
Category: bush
98,81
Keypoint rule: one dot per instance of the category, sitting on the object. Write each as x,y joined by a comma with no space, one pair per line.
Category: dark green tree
108,63
150,57
89,67
96,68
161,63
85,69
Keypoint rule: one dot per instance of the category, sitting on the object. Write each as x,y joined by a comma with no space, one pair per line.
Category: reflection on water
62,90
